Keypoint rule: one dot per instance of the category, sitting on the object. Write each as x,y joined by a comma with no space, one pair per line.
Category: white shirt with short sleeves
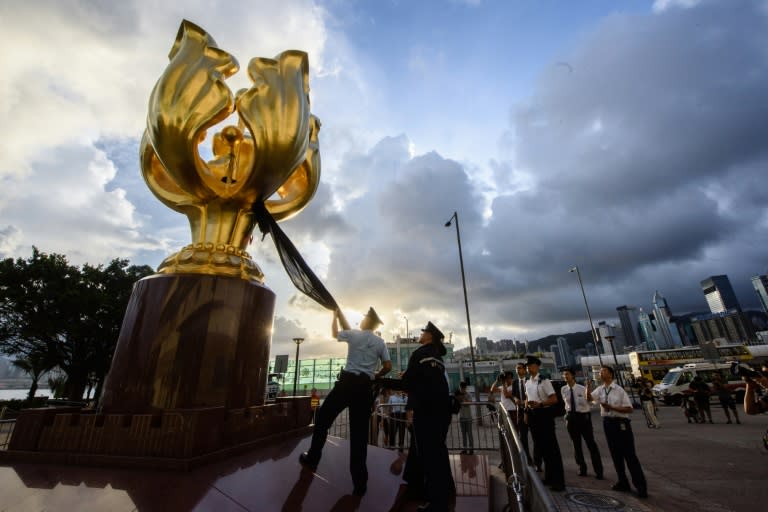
538,389
615,396
582,405
364,352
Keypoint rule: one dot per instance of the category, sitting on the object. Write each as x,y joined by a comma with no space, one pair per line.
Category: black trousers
621,443
397,425
542,425
430,429
579,427
353,392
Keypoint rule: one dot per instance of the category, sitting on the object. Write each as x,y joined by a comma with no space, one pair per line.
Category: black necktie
573,401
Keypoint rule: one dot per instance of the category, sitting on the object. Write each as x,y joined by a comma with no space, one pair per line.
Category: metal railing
525,490
388,428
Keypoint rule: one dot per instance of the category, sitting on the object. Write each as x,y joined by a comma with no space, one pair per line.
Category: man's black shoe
305,460
599,476
621,486
360,490
642,493
557,488
583,471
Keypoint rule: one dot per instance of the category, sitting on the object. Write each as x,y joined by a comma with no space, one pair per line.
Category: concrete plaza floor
689,467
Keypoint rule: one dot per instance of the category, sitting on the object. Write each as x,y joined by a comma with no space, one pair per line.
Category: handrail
524,488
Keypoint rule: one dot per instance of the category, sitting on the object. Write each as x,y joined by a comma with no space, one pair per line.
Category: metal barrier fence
6,429
387,428
525,491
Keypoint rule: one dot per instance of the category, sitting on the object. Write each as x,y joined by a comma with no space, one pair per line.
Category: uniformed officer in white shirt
578,421
615,409
541,420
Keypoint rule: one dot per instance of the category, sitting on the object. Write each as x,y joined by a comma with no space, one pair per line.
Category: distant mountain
575,340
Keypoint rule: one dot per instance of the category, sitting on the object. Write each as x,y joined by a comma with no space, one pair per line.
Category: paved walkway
689,467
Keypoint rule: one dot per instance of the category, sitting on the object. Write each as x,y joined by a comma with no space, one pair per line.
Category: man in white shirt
578,421
353,390
541,419
615,409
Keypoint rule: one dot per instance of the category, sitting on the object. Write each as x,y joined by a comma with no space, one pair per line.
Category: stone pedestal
191,341
187,383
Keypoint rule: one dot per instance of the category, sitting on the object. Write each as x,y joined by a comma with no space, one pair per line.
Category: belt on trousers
355,376
612,419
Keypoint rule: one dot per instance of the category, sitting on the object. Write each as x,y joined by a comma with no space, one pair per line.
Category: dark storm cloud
647,161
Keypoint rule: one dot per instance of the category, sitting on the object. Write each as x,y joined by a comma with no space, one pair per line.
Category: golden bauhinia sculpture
271,156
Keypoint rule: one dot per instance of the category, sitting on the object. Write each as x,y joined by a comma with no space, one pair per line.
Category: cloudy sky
627,137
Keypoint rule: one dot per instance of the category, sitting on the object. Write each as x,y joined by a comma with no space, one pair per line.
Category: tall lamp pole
615,359
575,268
407,330
466,304
297,341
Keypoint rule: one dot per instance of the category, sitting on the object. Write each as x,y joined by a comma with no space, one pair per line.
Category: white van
675,383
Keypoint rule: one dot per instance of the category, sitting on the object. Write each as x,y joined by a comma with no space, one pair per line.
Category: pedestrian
615,408
541,420
503,384
754,381
689,409
520,420
649,404
397,419
578,422
353,390
465,419
701,397
429,411
724,396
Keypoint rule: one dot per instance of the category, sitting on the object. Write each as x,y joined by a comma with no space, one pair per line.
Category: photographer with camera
753,379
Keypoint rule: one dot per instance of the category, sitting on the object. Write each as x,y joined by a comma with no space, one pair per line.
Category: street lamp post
466,304
610,338
575,268
297,341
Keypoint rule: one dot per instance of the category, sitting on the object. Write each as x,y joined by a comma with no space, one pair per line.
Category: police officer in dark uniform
429,410
353,390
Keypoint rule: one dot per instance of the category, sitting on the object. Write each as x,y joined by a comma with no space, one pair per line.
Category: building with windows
760,284
727,327
667,335
629,317
565,351
719,294
647,331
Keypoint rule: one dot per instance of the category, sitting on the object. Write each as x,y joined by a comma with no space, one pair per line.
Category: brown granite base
172,439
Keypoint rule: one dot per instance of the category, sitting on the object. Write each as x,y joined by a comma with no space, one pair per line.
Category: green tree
49,306
35,365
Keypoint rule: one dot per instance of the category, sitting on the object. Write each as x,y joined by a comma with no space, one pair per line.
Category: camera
742,370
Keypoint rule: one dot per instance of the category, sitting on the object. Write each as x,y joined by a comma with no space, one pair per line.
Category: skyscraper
666,331
630,324
719,294
760,284
647,331
565,351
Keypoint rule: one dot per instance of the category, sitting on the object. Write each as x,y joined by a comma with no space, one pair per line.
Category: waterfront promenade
689,467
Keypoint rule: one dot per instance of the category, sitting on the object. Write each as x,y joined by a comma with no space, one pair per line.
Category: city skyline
621,137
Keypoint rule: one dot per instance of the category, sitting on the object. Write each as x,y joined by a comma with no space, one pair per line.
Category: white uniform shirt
615,396
582,405
538,389
364,352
